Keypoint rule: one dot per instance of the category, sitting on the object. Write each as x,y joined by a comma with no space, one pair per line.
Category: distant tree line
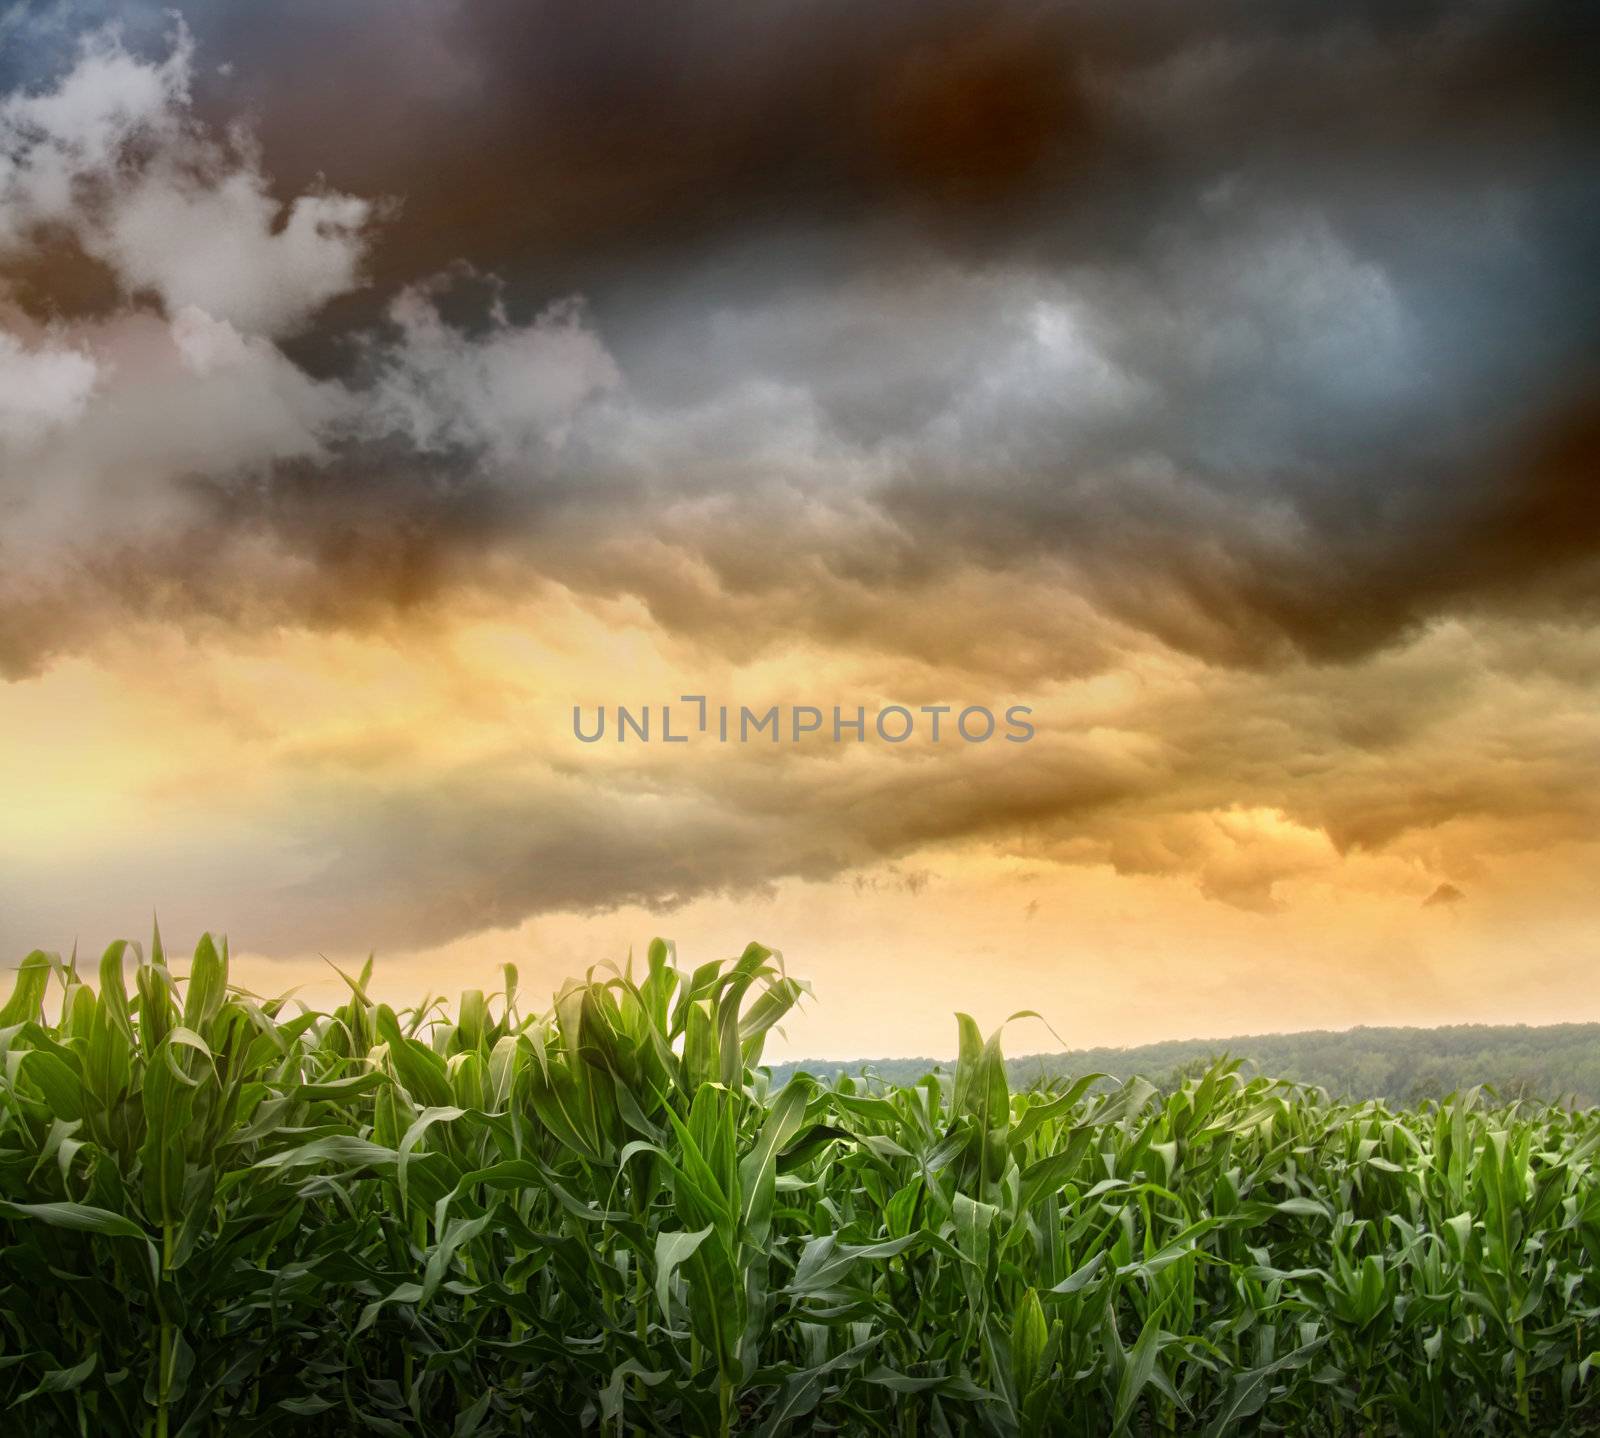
1556,1062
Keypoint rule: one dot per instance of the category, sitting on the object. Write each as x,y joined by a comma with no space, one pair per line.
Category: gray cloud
1000,344
1240,784
1044,299
488,846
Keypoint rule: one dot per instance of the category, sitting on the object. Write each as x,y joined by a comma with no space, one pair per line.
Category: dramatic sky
380,380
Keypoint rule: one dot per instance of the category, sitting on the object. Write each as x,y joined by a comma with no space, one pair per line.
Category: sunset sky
378,381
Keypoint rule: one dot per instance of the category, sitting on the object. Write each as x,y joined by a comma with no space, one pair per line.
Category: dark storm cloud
565,145
1259,329
420,865
1238,782
592,147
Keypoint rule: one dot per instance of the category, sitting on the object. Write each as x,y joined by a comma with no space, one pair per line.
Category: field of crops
222,1214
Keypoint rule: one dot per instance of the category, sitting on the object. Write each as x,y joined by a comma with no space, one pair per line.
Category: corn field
226,1214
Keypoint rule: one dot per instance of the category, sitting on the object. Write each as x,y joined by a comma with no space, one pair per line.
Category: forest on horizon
1551,1062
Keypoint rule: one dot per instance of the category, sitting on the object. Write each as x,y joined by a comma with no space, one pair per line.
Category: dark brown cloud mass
1268,325
1005,344
1265,328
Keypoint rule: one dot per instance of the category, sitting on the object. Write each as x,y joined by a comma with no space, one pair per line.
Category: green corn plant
227,1213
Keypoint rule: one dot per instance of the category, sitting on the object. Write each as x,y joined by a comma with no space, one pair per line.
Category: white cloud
41,388
211,243
509,391
128,416
122,412
114,153
53,141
